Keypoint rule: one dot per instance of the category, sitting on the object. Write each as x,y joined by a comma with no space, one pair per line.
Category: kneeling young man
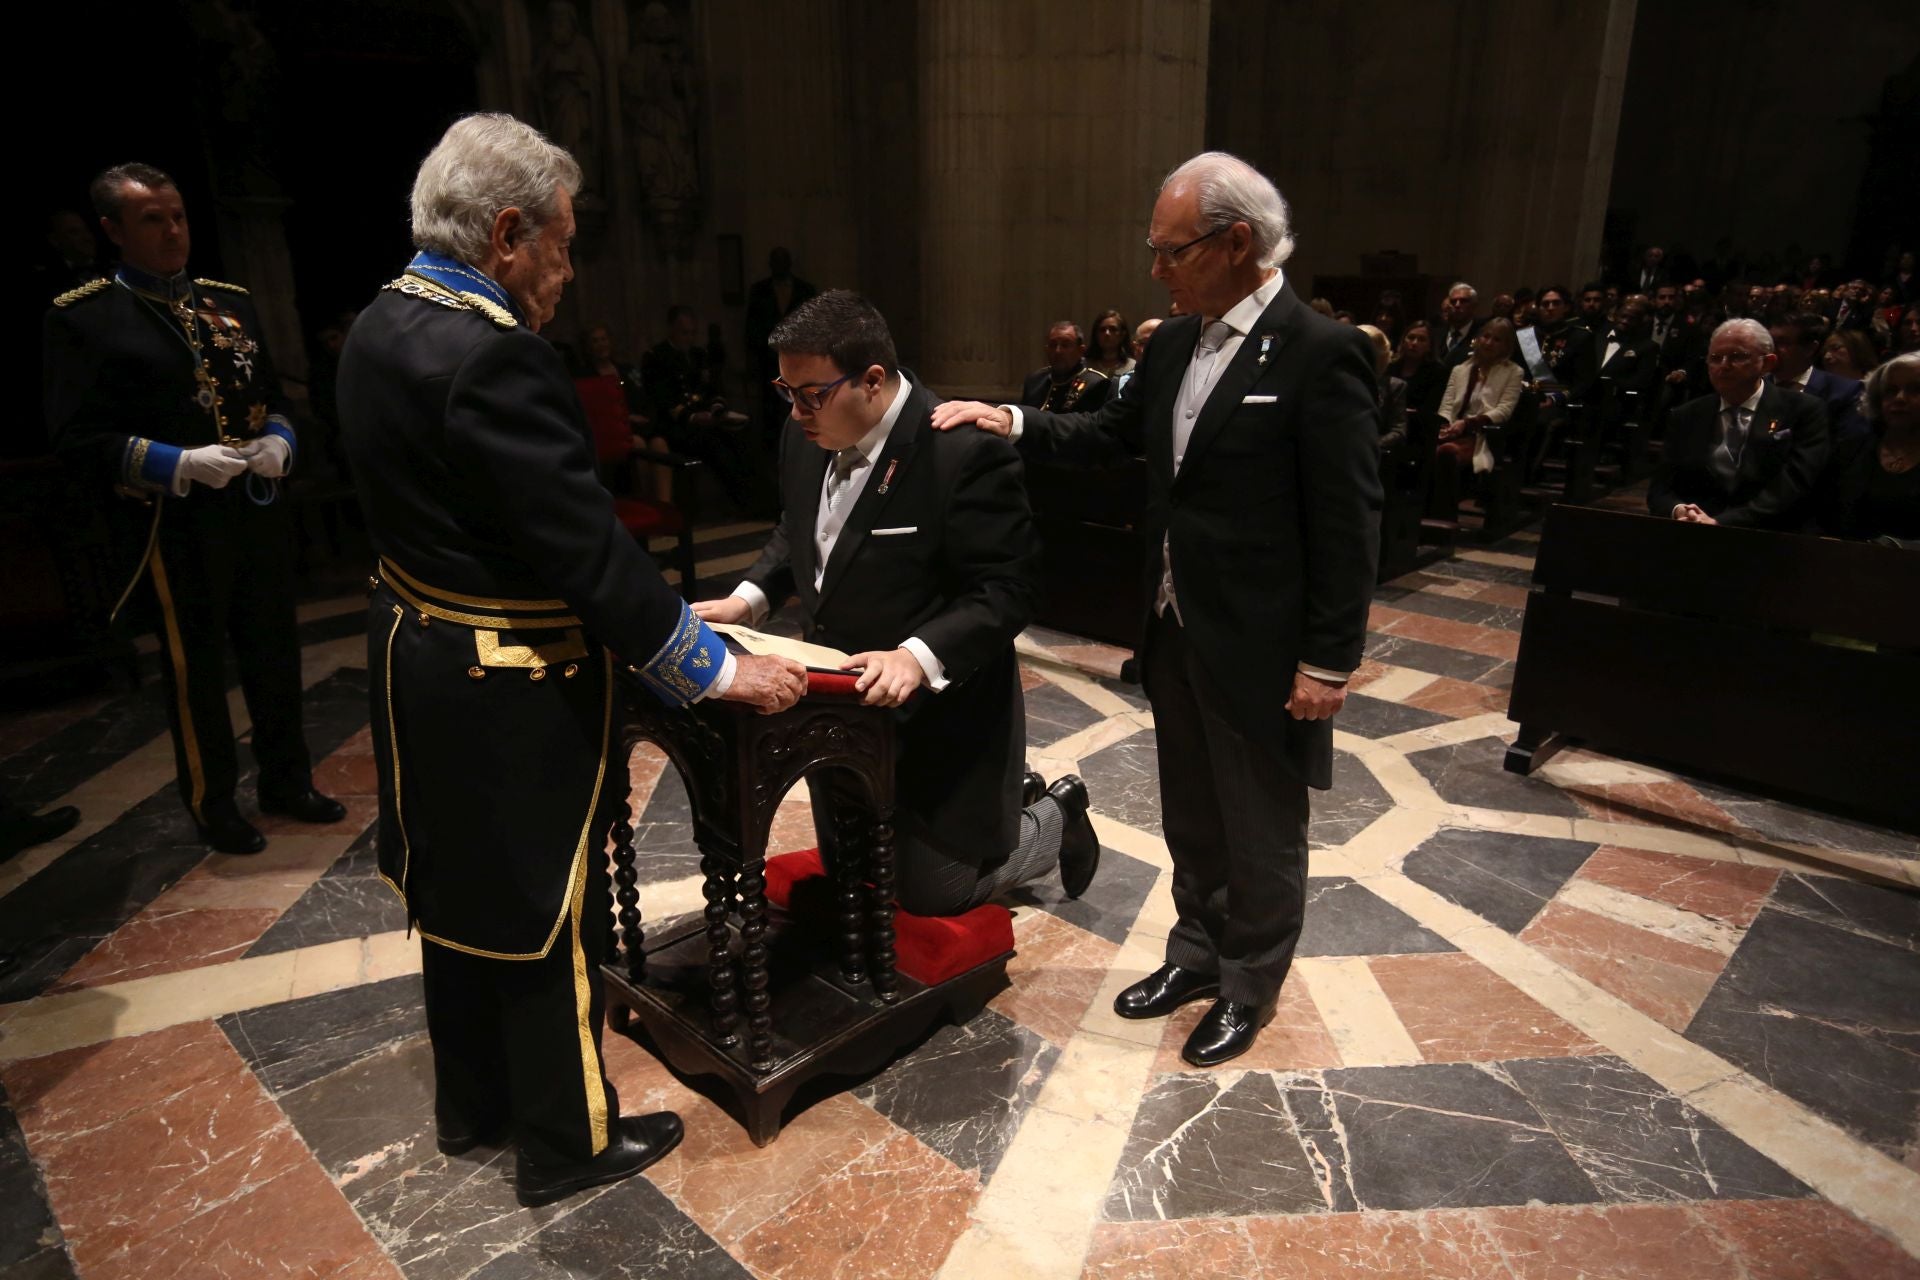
913,550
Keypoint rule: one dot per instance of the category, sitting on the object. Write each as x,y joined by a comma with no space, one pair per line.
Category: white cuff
178,484
756,601
1322,674
1019,423
722,682
935,669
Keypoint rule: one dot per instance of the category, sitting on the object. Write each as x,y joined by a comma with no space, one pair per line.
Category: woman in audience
1111,335
1481,394
1392,393
1875,488
599,361
1848,353
1906,334
1426,377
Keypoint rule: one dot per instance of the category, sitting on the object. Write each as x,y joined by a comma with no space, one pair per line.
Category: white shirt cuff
1321,673
1019,423
935,669
722,682
756,601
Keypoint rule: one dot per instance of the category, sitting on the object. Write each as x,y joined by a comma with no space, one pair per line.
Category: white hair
1750,329
1461,286
1874,394
1231,190
483,164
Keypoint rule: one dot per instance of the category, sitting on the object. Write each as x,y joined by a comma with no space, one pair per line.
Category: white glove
267,456
211,465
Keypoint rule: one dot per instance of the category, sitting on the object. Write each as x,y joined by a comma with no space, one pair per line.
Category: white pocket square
1259,399
888,533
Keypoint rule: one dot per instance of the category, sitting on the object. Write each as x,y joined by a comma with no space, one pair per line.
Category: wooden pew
1785,663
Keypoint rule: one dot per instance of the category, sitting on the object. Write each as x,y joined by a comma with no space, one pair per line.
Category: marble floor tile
1055,972
1449,1135
1108,907
1799,997
1422,655
1437,1245
1131,694
1443,602
663,835
1356,801
1296,1040
1464,565
1345,918
1465,636
1053,714
293,1044
1609,1242
1638,1142
965,1090
1458,1010
1378,718
1805,1240
1209,1146
1098,659
895,1211
1500,876
1660,804
162,941
41,772
1458,699
349,900
1869,910
1472,773
30,1237
632,1231
1793,824
1174,1249
1664,978
1725,891
1123,781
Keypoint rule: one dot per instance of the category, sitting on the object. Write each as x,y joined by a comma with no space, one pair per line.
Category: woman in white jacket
1481,394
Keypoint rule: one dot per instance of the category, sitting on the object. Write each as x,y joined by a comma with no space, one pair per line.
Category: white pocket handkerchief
889,533
1259,399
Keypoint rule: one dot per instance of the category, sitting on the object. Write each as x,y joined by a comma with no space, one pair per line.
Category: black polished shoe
20,830
1079,846
1032,787
1225,1032
303,806
1164,990
457,1140
224,831
634,1143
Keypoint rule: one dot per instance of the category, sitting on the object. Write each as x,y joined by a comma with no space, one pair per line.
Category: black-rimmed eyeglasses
1169,255
812,399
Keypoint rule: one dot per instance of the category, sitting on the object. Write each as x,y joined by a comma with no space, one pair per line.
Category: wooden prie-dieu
765,999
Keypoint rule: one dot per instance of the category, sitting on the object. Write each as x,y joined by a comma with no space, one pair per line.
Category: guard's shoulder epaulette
490,309
221,284
86,290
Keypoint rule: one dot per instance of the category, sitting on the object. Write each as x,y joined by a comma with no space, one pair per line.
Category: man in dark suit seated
1067,384
1568,349
1593,309
1797,340
914,551
1631,357
1748,455
1453,343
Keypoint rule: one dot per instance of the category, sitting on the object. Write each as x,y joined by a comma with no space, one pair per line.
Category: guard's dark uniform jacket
507,592
139,369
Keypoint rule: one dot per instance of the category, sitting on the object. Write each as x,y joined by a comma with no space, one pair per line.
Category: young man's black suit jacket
1634,367
1274,518
961,576
1781,462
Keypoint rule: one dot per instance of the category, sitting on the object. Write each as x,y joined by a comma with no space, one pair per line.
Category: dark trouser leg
469,1044
1189,811
266,644
189,581
551,1013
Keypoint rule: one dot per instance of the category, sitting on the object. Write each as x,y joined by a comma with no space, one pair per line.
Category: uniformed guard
507,596
1068,384
161,385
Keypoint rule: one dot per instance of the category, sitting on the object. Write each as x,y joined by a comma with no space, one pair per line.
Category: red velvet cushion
644,519
930,949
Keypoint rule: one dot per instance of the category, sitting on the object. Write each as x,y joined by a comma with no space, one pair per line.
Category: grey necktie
1733,438
845,463
1199,386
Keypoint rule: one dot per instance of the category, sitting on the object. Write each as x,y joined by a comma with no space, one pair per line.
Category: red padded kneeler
930,949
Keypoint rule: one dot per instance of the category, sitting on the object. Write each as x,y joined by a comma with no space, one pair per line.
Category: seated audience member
1501,308
1652,271
1906,284
1749,454
1848,353
1525,311
1887,307
1481,394
1796,339
1875,477
1631,357
1853,306
1453,341
1112,337
1906,334
1391,392
1426,378
680,381
1668,318
1567,348
600,362
1612,296
1594,309
1137,348
1066,384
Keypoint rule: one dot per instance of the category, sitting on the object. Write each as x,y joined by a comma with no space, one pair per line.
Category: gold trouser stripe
582,992
190,742
393,749
497,622
481,602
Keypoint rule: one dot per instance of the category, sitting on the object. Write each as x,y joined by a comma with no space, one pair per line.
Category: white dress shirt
829,519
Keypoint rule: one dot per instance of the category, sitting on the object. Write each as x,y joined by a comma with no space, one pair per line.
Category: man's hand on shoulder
766,683
1315,699
960,413
888,677
728,609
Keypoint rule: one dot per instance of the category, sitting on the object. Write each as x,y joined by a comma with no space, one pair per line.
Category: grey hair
1748,328
1875,391
1231,190
483,164
1458,285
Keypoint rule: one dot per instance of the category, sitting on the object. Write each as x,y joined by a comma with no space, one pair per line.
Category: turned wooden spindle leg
753,962
852,834
880,909
628,936
722,999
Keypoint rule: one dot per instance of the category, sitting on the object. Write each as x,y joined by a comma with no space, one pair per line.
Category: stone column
1044,132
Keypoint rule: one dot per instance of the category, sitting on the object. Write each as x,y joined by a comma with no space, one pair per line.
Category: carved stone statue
568,78
660,99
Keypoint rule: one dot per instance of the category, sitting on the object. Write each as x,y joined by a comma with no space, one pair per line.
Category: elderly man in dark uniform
162,386
506,590
1068,384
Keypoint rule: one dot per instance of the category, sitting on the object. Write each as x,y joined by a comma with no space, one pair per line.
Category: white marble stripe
1356,1012
1489,724
1655,917
1397,685
1501,558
